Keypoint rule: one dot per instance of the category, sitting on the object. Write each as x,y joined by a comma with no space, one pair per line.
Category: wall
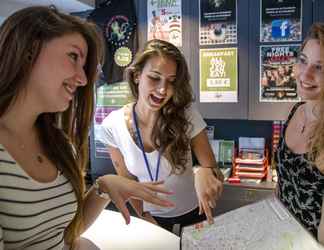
7,7
247,117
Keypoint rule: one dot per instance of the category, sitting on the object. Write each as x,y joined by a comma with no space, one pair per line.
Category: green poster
218,75
117,94
108,98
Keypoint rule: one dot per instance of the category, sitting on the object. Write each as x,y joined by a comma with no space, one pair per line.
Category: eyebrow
304,55
157,72
79,49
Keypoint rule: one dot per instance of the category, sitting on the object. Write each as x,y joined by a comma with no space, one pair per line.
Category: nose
162,88
80,77
307,73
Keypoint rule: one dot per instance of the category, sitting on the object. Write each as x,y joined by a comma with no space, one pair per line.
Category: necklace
38,156
302,130
148,168
305,120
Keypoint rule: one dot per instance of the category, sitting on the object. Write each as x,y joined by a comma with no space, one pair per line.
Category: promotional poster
117,22
218,22
277,79
109,98
281,21
218,75
165,21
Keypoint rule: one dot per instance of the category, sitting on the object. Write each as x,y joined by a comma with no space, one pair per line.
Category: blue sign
280,28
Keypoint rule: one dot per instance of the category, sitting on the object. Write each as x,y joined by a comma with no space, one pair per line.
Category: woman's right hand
121,189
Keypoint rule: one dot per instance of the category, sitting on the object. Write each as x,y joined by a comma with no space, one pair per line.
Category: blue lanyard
142,148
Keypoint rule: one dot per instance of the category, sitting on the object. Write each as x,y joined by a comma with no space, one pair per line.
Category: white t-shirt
114,133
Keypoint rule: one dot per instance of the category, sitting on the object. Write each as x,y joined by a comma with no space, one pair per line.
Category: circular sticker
123,56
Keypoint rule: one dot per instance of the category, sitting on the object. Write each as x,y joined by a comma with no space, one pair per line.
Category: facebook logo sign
280,28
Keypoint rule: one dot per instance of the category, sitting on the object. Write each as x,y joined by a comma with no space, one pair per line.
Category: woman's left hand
121,189
209,190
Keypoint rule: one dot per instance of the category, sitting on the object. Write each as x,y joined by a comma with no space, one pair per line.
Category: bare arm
121,189
320,230
121,169
208,186
94,204
204,153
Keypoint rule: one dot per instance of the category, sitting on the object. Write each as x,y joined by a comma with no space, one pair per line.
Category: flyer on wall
165,21
109,98
218,75
277,79
217,22
281,21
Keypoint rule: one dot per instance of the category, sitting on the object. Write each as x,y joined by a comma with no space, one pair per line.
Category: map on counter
265,225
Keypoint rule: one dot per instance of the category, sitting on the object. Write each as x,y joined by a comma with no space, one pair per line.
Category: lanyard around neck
143,151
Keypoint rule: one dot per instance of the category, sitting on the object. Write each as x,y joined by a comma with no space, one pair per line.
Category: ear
136,77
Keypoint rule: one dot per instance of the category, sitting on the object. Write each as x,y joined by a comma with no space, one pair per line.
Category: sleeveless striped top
33,215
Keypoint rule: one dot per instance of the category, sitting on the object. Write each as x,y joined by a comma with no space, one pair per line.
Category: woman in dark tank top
300,154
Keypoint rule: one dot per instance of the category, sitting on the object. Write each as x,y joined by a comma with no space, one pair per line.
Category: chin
309,97
60,108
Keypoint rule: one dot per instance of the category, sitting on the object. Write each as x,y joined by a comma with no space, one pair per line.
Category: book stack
276,130
251,165
250,170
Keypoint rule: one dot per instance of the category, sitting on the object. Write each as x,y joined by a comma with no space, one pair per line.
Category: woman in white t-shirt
152,138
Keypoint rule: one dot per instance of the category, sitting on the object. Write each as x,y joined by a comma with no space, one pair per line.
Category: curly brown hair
170,132
63,136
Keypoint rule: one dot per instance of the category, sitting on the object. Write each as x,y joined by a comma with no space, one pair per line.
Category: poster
218,22
281,20
117,23
165,21
218,75
109,98
277,79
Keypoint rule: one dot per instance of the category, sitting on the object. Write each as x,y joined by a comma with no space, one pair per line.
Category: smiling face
57,73
156,82
310,71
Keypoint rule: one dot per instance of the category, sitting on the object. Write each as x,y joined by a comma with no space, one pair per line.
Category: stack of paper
264,225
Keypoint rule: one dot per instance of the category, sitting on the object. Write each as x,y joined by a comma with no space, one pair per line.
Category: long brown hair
63,136
170,130
316,142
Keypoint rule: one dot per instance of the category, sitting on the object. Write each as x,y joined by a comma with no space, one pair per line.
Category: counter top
109,231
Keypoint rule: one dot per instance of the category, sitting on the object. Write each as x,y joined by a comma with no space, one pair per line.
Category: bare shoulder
128,118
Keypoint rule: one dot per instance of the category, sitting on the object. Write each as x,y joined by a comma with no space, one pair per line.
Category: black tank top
300,183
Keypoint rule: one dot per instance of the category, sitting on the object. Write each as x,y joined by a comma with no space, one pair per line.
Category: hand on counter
121,189
208,189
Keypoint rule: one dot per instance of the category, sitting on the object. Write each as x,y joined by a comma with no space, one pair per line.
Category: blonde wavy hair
316,142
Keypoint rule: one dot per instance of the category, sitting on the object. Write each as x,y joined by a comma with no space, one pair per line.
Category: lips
69,89
156,99
307,85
